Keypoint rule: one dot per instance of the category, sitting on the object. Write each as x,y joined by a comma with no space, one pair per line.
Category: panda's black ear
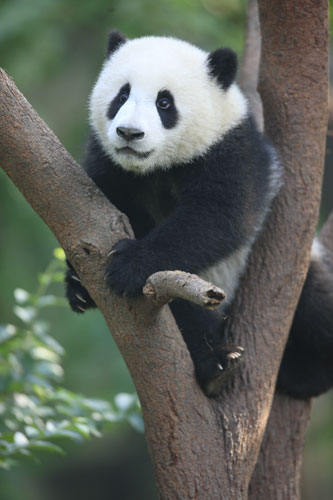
222,65
115,40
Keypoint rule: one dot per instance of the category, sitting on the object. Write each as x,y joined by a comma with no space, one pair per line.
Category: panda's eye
123,97
164,103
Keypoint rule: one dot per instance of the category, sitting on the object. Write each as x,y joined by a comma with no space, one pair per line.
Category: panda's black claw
234,355
113,252
229,355
78,297
81,298
214,371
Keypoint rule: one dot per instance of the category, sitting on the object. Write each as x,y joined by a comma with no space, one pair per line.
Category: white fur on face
149,65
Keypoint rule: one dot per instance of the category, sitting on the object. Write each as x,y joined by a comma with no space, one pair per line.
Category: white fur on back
152,64
317,250
227,272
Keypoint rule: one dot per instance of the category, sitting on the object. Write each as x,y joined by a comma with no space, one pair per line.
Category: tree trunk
293,82
202,448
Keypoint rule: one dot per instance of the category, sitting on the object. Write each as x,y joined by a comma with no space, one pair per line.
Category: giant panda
174,146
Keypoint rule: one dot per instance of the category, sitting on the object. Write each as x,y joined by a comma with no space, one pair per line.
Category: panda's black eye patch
118,101
166,108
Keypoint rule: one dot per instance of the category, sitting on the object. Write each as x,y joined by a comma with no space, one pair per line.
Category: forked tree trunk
201,448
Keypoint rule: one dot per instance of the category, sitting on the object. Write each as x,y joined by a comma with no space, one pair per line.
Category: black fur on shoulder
222,64
115,40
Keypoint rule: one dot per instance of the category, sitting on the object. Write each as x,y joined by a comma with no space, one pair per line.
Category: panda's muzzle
132,152
129,134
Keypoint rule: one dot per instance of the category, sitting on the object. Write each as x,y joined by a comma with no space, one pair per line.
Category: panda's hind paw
213,372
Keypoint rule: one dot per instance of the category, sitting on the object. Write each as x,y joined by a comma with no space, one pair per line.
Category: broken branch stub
163,286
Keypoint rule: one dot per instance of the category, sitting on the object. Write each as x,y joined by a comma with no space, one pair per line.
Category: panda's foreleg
194,236
203,332
307,365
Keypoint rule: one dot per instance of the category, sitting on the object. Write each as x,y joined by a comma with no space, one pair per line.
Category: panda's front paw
129,266
214,371
78,297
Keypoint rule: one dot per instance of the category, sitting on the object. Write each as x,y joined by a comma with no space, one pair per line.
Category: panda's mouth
132,152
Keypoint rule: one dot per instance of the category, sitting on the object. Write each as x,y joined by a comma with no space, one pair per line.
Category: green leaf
64,433
7,463
44,279
20,439
23,401
7,332
33,408
40,328
21,296
45,354
125,401
49,300
38,382
32,432
59,254
97,405
49,370
45,446
84,429
53,344
136,422
59,277
26,314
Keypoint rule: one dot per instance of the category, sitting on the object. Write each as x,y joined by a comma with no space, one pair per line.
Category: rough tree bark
282,444
301,32
200,448
249,70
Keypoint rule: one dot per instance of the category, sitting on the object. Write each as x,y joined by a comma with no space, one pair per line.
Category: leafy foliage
34,409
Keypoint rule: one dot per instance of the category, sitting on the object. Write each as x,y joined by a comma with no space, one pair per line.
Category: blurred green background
53,49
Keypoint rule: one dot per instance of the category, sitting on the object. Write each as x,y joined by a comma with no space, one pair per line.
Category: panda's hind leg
307,364
203,332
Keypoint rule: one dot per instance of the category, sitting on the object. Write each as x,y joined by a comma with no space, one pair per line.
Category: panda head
160,101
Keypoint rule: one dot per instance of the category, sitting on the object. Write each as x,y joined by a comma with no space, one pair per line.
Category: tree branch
249,69
164,286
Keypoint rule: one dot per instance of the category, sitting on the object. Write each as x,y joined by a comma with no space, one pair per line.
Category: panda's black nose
130,134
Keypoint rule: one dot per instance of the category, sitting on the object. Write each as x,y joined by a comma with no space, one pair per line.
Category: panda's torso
240,167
